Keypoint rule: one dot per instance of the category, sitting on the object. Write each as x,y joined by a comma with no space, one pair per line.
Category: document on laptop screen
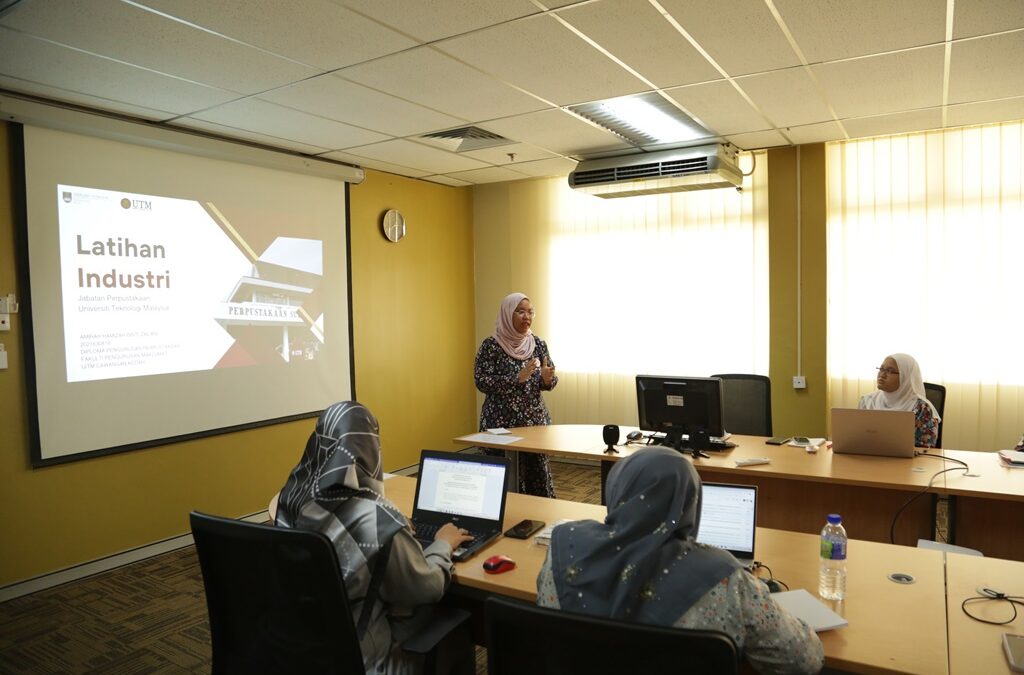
727,518
463,488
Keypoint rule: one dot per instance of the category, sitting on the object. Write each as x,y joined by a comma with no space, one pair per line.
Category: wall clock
393,225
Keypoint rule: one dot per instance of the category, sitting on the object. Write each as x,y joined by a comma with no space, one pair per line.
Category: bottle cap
835,518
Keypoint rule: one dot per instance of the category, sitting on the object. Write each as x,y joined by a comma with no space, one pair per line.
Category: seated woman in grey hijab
642,564
338,489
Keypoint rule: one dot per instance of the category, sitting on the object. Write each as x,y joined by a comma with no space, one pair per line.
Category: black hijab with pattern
337,489
642,563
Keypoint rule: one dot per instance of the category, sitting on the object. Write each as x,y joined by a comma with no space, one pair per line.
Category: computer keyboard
426,532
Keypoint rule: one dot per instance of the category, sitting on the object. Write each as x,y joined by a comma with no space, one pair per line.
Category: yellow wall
413,341
797,412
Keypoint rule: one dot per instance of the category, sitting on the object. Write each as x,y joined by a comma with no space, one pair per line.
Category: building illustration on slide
267,312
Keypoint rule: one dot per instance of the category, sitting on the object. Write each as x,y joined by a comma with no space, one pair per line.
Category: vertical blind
925,235
673,284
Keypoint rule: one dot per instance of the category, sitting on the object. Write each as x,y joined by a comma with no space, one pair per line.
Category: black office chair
524,638
277,604
936,393
747,404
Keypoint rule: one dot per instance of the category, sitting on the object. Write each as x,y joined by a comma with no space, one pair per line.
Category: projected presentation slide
154,285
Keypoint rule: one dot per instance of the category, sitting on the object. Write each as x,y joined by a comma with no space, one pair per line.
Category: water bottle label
833,550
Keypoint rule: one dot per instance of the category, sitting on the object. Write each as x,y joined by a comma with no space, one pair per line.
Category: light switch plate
5,322
799,382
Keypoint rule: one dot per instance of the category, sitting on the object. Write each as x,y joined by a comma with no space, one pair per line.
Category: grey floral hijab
337,489
641,563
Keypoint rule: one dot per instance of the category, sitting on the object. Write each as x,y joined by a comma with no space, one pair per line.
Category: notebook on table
886,433
468,490
728,519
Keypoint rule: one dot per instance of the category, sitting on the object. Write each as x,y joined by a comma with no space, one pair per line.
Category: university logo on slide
66,196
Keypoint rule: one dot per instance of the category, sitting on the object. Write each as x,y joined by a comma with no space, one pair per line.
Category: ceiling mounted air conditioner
704,167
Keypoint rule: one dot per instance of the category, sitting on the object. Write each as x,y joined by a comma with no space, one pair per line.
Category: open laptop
468,490
728,519
887,433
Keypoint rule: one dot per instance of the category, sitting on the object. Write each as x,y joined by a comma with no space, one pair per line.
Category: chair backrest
524,638
276,599
936,393
747,404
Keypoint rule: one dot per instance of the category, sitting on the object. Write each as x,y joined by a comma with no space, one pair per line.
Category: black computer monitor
678,406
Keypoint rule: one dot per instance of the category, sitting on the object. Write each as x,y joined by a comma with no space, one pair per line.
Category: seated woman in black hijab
338,489
642,564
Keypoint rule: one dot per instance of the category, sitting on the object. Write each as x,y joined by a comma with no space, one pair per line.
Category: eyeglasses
885,370
526,312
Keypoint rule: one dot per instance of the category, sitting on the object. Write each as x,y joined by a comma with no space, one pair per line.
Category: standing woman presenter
513,367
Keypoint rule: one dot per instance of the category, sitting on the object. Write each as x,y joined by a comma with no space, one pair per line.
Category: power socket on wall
799,382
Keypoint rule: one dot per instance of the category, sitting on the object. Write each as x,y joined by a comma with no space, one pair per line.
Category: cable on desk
757,566
992,594
892,528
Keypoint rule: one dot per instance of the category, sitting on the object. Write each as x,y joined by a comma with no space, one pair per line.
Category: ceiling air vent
699,168
465,138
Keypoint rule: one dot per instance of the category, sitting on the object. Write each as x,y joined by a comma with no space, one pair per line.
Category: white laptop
728,519
887,433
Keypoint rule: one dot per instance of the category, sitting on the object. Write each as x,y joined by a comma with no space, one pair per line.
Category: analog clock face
394,225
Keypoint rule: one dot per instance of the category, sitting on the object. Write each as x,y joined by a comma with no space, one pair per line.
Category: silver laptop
468,490
887,433
728,519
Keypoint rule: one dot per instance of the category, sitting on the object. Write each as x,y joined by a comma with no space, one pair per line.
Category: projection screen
175,295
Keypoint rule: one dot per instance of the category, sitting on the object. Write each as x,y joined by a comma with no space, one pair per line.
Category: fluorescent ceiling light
642,120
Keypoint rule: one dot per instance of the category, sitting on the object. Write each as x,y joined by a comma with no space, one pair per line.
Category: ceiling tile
499,155
741,35
987,68
294,125
446,180
543,168
826,31
317,32
368,163
429,21
95,102
492,174
545,58
816,133
467,93
408,153
756,140
897,123
663,56
45,63
986,112
787,97
990,16
558,132
719,107
334,98
886,83
232,132
132,35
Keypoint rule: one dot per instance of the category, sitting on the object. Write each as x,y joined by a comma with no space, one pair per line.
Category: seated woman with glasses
901,387
643,564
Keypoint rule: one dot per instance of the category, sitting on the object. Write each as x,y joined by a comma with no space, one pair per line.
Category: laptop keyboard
426,532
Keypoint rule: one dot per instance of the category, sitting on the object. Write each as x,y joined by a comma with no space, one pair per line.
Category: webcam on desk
611,437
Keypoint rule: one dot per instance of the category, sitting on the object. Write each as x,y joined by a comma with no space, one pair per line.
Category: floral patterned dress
510,403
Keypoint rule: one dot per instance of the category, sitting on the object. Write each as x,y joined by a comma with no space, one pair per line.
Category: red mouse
497,564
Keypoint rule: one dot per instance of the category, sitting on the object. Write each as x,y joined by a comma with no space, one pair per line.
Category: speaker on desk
611,436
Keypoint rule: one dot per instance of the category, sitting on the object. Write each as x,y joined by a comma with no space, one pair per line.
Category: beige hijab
515,344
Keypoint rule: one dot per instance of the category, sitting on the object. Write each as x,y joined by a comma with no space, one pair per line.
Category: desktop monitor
680,406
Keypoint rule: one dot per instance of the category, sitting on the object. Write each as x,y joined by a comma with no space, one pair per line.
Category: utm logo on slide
139,204
66,196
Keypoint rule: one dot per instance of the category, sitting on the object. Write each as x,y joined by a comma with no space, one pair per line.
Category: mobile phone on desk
778,440
524,528
1013,645
801,440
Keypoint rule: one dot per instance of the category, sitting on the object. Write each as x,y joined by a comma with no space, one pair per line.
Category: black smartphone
778,440
524,528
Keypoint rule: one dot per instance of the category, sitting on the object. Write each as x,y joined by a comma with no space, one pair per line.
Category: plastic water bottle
832,573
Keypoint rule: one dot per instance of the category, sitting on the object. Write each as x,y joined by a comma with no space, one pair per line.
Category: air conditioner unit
703,167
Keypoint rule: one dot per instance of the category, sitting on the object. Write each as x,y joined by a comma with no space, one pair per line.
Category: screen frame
20,207
710,388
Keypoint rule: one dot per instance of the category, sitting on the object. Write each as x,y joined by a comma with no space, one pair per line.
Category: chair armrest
443,622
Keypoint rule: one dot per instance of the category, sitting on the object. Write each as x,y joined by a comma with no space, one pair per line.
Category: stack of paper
544,536
1012,458
813,611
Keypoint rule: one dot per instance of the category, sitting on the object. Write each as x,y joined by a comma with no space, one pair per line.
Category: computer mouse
498,564
634,435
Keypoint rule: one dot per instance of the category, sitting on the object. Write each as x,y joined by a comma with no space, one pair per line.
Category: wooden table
796,490
976,647
986,507
893,628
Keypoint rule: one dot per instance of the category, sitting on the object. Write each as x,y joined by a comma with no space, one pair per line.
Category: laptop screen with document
455,486
728,518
